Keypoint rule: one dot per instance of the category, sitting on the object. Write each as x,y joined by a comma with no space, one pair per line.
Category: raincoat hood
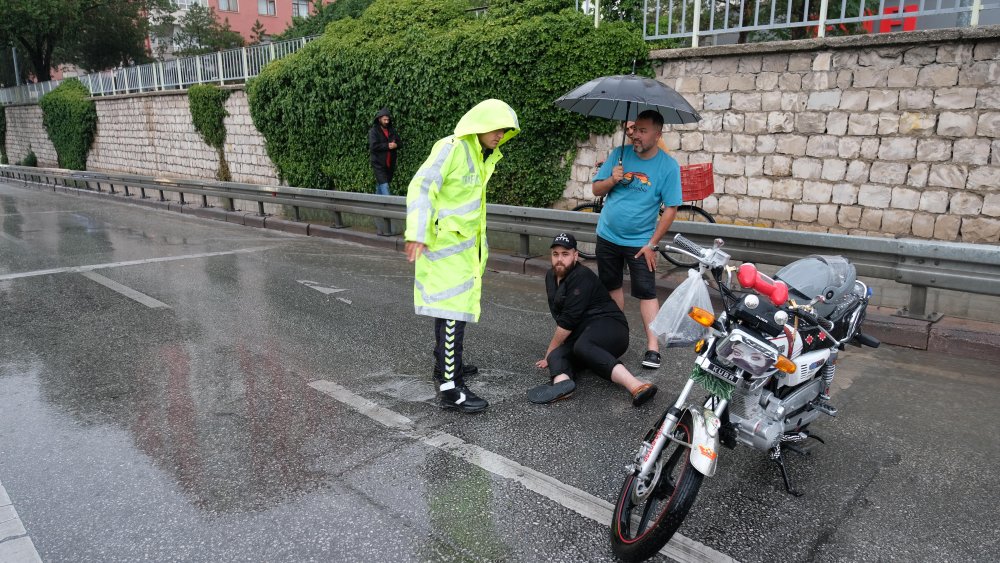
381,112
489,115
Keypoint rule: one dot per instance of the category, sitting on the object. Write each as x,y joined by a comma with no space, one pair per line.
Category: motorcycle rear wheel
640,527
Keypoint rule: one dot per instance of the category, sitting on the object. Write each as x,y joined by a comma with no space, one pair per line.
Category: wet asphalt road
180,424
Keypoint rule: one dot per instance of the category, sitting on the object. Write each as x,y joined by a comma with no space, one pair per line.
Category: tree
257,33
201,33
325,13
622,10
92,34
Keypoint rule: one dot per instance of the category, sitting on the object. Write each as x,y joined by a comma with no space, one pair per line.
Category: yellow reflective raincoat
446,210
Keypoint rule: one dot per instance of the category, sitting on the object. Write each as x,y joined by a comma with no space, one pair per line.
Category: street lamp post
17,70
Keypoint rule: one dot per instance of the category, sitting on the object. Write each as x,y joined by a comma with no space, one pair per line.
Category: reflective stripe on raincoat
446,210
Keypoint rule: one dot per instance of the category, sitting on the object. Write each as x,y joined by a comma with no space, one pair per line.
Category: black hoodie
383,159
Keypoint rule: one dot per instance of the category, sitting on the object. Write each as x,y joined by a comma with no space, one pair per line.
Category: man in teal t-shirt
637,182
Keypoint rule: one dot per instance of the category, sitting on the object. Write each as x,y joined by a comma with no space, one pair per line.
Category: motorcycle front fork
649,451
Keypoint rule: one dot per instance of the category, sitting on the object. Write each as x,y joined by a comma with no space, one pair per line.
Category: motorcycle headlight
744,351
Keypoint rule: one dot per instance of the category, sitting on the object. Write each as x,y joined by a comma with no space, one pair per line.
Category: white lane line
15,545
91,267
679,548
126,291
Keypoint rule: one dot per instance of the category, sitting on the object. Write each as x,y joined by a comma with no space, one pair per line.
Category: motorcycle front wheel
644,520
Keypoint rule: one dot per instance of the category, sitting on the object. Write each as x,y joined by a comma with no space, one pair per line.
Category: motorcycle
767,361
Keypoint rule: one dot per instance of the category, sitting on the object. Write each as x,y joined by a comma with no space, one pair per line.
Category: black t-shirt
579,299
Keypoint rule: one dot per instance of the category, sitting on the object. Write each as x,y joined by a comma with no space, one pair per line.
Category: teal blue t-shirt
632,207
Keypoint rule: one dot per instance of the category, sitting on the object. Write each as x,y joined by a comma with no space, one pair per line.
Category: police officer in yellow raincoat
446,237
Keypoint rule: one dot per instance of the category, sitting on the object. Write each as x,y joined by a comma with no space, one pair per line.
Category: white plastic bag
672,324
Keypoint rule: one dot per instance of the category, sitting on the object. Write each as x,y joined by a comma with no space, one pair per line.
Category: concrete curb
952,336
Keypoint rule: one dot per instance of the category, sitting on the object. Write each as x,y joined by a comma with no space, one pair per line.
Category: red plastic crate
697,181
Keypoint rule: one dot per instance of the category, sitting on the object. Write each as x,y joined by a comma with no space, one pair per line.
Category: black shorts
611,261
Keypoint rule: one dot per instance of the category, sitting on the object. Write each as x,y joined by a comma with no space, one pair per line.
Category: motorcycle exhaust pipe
865,340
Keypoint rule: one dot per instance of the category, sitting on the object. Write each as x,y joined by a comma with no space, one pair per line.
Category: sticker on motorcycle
708,452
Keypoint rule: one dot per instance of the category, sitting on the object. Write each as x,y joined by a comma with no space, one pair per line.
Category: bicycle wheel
687,213
587,250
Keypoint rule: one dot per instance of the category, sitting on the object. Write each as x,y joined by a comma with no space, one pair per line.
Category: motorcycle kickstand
800,451
779,457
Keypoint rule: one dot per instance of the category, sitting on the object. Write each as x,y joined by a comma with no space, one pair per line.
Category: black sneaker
467,370
651,360
460,397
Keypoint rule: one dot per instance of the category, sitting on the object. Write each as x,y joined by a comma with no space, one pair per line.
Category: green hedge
429,61
29,159
208,113
70,119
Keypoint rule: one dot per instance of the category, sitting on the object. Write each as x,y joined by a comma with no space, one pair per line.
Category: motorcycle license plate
722,373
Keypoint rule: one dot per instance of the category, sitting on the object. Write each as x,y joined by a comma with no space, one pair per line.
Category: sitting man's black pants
596,346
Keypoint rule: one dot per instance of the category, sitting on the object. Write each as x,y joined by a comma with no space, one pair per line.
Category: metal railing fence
232,66
665,19
920,264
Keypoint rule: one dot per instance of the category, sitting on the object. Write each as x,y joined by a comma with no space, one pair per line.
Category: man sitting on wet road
591,330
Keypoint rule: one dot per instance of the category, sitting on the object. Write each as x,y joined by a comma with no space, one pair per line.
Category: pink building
274,15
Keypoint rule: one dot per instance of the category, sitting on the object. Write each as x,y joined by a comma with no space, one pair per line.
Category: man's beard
640,148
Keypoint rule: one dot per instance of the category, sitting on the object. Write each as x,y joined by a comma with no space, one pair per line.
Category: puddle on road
409,388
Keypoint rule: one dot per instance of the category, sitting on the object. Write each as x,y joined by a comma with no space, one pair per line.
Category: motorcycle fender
704,440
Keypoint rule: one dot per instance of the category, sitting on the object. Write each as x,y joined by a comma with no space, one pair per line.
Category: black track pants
597,347
448,348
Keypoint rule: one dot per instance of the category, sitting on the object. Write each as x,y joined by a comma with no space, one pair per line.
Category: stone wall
154,134
893,135
244,149
25,132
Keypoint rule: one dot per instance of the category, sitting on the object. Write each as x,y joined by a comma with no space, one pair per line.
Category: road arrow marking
321,288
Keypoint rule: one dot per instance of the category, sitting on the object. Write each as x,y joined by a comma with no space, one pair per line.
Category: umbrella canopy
623,97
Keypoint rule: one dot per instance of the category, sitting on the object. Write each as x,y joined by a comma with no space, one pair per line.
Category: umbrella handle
621,155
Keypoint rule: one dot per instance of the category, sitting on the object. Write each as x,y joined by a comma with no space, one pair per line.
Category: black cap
565,240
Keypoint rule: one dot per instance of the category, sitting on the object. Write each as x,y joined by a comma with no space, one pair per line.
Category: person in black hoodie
383,142
591,331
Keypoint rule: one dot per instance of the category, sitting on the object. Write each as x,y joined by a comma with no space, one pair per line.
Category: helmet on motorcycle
831,277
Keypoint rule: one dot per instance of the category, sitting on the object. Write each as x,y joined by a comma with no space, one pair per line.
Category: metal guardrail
664,19
921,264
232,66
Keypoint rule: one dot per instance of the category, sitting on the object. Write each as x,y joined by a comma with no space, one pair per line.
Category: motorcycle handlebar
689,246
813,318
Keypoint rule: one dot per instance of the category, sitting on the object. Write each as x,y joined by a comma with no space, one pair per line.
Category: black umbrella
622,97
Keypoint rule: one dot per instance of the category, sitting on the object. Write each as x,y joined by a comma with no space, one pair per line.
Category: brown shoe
643,394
